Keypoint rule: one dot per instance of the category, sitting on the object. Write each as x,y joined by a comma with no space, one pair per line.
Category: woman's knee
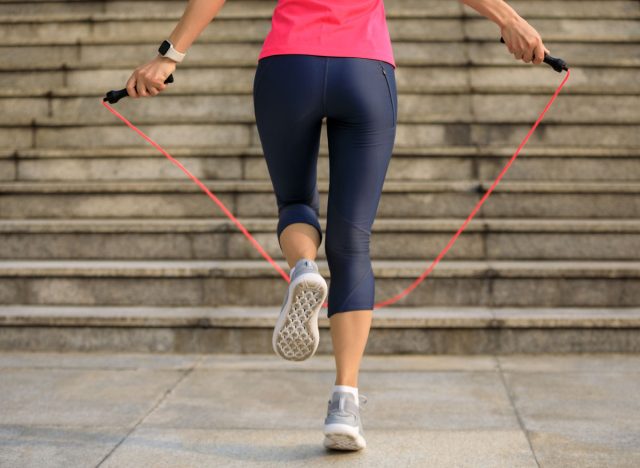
298,213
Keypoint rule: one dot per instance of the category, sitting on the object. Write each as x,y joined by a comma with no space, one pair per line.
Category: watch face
164,47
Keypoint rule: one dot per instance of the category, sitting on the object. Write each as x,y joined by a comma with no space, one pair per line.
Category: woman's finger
142,90
538,55
158,84
131,87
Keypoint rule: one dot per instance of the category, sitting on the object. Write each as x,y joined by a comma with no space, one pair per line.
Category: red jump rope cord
267,257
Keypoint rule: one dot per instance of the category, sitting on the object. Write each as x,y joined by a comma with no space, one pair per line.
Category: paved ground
137,410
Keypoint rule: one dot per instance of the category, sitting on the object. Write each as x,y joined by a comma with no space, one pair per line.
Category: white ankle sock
346,388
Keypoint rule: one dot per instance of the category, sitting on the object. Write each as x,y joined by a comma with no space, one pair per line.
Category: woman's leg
361,126
349,334
288,101
299,240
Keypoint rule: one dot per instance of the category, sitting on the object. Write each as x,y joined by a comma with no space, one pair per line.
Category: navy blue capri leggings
292,94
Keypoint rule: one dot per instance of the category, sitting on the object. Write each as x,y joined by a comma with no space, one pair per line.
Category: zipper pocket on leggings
393,107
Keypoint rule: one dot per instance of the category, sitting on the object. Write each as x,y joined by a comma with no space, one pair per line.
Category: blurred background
106,245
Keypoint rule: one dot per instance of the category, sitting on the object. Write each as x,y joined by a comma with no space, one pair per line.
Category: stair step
450,330
111,29
535,164
265,317
208,239
564,30
97,29
246,134
257,283
418,152
250,186
233,79
232,109
591,80
593,54
565,9
414,53
429,199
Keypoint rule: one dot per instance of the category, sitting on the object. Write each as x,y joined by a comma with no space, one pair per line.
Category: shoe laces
362,400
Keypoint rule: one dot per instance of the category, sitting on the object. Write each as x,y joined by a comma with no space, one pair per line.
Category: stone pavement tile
295,448
579,418
263,399
557,450
369,363
82,397
560,363
53,447
96,360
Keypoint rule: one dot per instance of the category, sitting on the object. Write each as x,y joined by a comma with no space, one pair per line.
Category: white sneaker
296,336
343,425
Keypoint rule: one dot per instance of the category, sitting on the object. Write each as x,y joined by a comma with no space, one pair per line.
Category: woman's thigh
361,105
287,96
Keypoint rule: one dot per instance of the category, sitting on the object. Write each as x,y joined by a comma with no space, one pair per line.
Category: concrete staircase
104,244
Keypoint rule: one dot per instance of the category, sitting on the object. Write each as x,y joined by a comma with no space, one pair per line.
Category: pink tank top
340,28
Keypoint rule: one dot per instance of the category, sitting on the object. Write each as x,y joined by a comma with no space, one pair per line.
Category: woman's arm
148,79
521,38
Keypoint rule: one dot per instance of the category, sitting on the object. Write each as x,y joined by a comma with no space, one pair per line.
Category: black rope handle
114,96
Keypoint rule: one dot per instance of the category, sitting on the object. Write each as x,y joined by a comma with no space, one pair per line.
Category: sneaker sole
343,437
296,336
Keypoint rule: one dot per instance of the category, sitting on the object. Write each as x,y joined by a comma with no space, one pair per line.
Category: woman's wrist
162,58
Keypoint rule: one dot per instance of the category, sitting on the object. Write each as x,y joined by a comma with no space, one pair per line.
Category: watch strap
166,49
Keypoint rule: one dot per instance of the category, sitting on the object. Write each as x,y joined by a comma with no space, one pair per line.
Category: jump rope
557,64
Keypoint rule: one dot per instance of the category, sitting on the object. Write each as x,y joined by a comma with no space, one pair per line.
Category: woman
326,59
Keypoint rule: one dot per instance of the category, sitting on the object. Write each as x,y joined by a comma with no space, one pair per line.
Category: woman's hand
148,79
523,40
